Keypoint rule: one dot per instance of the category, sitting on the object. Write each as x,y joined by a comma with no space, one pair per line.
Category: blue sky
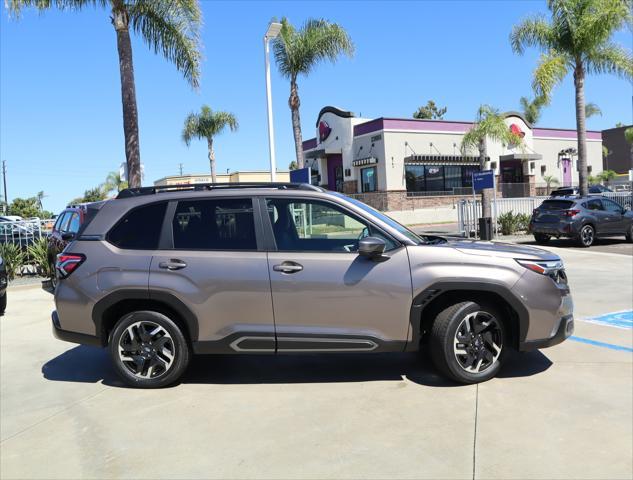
60,107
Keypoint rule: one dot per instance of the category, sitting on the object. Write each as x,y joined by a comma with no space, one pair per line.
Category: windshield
417,239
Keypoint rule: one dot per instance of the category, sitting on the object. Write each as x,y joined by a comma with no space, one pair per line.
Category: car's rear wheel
149,350
3,303
541,238
468,342
587,236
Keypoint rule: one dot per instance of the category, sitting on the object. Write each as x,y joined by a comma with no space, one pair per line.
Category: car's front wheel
541,238
149,350
468,342
587,236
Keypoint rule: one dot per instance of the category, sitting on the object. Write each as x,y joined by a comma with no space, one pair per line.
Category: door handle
172,264
288,267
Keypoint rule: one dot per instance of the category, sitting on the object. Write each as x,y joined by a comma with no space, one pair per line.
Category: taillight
571,213
67,263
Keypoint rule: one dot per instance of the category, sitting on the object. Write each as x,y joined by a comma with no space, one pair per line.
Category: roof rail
135,192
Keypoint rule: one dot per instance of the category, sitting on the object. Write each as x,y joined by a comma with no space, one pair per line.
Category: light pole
273,31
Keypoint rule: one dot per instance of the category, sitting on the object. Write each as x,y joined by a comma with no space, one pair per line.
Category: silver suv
160,273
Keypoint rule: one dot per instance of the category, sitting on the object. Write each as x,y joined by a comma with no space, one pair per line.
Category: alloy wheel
146,349
586,235
478,342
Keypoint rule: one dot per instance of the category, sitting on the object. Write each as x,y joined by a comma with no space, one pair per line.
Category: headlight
541,266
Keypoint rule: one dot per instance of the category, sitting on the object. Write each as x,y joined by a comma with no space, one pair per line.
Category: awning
521,156
315,154
361,162
434,159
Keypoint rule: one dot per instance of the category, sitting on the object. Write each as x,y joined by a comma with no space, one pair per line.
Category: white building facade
423,158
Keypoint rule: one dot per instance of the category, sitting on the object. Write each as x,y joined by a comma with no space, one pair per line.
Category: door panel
616,222
341,295
229,292
215,269
325,296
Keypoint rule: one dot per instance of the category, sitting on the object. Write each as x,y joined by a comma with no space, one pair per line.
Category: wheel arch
112,307
432,300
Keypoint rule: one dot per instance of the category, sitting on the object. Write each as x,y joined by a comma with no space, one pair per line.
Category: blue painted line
615,319
601,344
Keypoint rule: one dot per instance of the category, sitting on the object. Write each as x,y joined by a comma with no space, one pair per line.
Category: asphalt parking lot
564,412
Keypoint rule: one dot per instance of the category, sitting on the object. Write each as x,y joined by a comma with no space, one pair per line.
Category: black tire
150,352
3,303
586,236
541,238
53,277
444,346
629,234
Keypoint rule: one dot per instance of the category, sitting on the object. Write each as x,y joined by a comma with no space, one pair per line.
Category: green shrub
524,221
38,256
508,223
13,256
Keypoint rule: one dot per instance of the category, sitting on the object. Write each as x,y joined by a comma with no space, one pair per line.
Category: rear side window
140,229
556,205
73,226
594,204
215,224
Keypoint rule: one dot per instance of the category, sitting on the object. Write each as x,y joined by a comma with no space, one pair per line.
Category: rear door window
215,224
556,205
595,204
140,229
73,224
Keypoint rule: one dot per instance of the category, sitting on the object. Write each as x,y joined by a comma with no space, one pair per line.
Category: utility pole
4,180
180,166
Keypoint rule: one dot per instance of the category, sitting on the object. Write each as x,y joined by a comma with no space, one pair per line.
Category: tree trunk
579,83
486,193
294,104
212,159
120,20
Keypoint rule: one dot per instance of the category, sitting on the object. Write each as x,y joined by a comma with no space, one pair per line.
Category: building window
368,179
439,178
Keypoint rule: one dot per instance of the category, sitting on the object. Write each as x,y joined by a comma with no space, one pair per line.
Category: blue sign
485,179
300,176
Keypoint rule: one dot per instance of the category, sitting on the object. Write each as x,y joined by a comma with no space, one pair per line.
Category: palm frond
591,110
490,125
171,27
207,124
532,32
15,7
298,51
550,71
610,58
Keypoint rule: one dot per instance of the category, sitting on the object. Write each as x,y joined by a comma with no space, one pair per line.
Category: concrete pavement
565,412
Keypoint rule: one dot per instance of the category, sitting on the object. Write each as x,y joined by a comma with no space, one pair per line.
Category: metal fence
469,211
24,232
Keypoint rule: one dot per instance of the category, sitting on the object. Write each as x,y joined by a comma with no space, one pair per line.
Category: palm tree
577,38
40,197
169,27
207,124
490,125
298,51
591,110
532,108
549,181
114,182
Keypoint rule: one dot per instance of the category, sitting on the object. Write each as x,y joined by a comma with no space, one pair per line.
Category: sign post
482,180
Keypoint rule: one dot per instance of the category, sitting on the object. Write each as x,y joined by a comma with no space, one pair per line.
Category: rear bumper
72,337
565,329
554,229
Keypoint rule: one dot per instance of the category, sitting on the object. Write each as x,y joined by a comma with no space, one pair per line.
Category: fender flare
171,301
424,298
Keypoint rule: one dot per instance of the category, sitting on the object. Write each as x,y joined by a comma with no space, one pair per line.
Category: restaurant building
414,160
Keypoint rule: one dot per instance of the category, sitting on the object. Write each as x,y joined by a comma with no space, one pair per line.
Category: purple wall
309,144
564,133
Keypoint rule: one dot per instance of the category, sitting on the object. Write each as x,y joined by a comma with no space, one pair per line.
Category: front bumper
565,330
72,337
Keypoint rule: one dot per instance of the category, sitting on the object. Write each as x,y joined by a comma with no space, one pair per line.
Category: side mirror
68,236
371,247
